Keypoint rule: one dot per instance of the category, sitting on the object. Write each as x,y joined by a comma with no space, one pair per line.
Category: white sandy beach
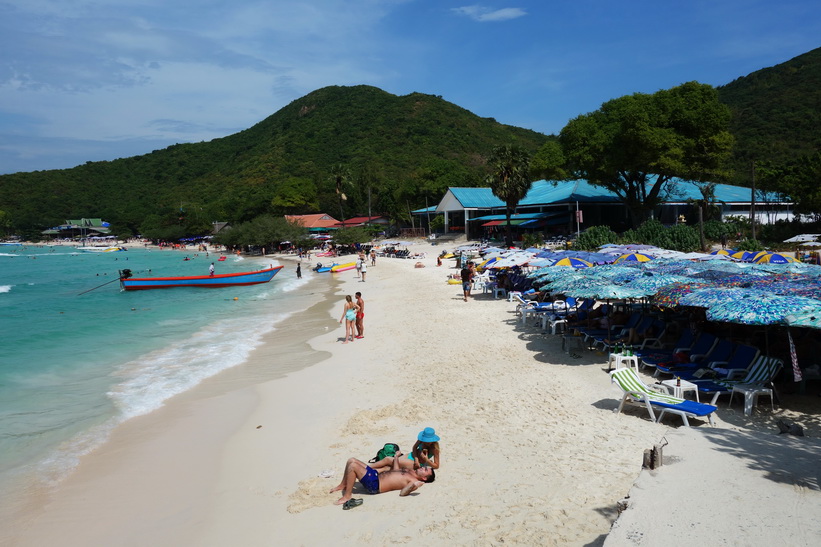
532,452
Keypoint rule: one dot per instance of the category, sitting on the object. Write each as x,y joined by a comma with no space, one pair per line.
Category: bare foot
337,489
342,500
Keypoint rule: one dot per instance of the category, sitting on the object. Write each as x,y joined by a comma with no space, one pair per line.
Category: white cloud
484,14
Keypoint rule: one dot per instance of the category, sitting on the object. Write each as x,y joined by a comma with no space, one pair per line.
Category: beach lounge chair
653,356
721,351
742,359
760,374
608,341
637,392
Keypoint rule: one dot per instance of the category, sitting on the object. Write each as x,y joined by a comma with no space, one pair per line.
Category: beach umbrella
760,308
633,257
649,284
742,255
724,252
710,296
774,258
573,262
810,318
670,295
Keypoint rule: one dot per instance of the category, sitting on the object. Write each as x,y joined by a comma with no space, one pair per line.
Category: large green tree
635,146
509,179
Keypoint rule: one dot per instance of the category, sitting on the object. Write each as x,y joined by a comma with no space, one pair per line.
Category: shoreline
532,452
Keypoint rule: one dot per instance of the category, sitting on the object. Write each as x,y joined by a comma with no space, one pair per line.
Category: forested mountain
776,113
398,153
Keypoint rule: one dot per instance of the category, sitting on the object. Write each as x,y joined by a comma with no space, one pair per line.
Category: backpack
388,451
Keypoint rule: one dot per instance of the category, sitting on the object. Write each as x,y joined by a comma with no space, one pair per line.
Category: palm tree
340,175
509,179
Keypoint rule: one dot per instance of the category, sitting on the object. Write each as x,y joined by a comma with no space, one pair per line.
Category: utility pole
752,202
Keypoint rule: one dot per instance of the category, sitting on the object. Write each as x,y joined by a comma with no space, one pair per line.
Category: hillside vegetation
398,153
776,113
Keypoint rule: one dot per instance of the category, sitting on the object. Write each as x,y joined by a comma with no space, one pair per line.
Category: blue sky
84,80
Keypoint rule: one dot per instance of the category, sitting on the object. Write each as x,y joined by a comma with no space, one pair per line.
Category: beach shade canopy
760,309
670,295
810,318
743,255
774,258
602,290
649,284
721,252
633,257
710,296
516,259
573,262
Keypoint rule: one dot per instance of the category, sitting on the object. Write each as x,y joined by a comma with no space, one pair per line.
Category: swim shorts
466,286
360,315
370,480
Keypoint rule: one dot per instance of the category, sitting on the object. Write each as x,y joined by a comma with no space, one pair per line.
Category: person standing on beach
211,269
373,257
467,280
358,266
363,268
349,316
299,271
360,316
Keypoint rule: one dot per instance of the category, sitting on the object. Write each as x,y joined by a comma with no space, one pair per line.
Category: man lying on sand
377,481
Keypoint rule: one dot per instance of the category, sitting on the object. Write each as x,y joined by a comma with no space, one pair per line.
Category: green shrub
714,229
749,245
594,237
684,238
535,239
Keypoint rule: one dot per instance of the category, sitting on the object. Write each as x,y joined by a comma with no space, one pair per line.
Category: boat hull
206,281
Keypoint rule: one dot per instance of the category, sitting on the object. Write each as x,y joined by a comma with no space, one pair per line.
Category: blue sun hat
428,435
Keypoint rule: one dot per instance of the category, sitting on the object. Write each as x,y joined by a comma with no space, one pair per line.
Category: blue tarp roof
543,192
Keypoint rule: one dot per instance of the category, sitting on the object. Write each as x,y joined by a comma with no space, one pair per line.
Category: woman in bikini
349,316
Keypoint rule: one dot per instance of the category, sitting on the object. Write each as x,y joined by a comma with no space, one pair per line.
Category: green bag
388,451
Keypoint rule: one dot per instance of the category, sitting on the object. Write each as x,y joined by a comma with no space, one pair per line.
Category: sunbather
376,481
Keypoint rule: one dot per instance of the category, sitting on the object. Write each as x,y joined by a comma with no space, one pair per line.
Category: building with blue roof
555,205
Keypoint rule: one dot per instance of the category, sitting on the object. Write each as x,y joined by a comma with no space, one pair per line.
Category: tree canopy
509,179
635,145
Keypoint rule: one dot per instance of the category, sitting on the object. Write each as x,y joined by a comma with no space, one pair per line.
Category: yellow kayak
344,267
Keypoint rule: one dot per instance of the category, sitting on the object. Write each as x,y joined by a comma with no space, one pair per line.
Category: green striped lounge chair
760,373
638,393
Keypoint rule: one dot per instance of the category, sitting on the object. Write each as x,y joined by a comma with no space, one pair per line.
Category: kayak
344,267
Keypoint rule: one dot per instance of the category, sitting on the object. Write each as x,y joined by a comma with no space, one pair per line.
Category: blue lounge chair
741,358
637,392
719,350
654,356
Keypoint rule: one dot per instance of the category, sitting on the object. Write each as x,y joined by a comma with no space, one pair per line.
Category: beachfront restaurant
563,207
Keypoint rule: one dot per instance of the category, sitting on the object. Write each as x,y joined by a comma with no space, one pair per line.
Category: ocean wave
5,288
147,382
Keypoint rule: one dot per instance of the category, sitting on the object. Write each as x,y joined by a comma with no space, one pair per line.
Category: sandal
351,503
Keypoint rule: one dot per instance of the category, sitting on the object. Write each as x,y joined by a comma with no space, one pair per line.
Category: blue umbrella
760,309
711,296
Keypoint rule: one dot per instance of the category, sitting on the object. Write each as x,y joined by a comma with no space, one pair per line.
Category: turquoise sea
75,364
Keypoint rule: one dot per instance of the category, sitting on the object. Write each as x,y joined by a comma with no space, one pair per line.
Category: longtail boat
129,283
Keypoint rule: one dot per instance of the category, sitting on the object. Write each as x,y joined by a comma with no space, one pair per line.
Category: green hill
399,150
776,113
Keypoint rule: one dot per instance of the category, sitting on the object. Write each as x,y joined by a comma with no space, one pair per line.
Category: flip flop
351,503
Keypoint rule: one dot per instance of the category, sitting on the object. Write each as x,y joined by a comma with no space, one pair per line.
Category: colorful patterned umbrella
760,309
649,284
774,258
811,318
670,295
712,295
573,262
633,257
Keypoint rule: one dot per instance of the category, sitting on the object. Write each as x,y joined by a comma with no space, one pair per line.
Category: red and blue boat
239,279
